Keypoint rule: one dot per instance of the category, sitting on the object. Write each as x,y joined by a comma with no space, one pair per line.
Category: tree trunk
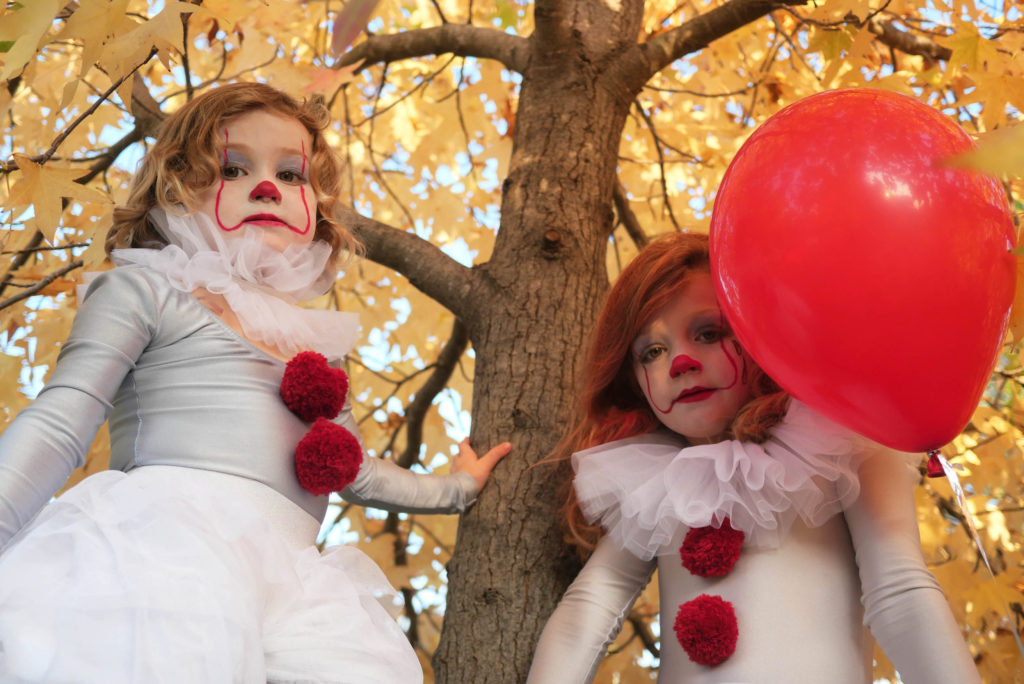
510,564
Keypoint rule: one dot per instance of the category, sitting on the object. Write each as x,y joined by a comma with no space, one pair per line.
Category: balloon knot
934,464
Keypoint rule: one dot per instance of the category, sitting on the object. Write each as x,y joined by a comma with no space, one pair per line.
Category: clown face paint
264,180
690,367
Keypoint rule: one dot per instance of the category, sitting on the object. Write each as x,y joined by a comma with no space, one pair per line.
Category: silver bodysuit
181,388
801,608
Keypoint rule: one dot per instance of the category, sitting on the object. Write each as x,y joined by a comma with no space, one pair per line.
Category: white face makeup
690,367
264,180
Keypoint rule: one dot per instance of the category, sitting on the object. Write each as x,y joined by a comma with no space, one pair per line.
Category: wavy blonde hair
186,160
610,404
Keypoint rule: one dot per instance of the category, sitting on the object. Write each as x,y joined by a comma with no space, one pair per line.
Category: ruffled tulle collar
647,491
261,284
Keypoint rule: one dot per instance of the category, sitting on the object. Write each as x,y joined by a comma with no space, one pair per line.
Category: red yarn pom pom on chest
311,389
328,458
706,627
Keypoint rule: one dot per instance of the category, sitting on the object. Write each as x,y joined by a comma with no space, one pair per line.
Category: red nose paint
265,190
683,363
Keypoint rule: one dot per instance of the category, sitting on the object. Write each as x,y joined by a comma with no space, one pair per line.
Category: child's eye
289,176
650,354
231,171
710,335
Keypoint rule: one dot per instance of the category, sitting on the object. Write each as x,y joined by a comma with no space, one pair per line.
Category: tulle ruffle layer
647,491
261,284
168,579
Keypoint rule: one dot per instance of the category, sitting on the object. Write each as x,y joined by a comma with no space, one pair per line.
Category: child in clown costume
783,542
193,558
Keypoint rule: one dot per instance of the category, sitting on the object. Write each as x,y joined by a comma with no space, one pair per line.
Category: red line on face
650,398
735,367
302,190
216,206
744,377
305,205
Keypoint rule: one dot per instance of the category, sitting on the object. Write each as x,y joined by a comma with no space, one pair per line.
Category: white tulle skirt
179,575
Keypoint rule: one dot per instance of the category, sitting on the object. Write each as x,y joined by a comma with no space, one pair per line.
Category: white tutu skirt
648,491
178,575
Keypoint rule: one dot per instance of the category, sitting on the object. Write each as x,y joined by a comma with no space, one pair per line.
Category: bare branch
628,218
907,42
658,143
642,626
45,156
429,269
651,57
461,40
58,248
416,411
148,117
28,292
440,13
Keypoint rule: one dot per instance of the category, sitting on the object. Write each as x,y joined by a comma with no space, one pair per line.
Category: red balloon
872,281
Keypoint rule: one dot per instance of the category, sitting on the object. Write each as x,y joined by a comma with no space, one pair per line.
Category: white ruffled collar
647,491
261,284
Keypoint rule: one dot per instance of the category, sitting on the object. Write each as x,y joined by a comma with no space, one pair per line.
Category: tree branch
43,282
693,35
628,218
147,118
642,627
907,42
416,411
551,28
461,40
429,269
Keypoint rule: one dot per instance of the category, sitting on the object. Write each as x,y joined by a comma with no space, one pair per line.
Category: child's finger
466,451
497,453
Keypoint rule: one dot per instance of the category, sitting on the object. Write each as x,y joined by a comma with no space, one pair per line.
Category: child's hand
479,467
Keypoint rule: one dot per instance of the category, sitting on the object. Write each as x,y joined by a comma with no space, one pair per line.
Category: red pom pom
706,629
327,459
710,551
311,388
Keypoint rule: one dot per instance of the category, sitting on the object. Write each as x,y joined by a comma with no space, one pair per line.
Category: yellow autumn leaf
42,188
164,32
95,23
992,596
1000,152
969,47
326,81
830,42
1017,312
26,27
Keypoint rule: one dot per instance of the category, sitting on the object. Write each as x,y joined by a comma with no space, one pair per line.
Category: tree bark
529,309
510,564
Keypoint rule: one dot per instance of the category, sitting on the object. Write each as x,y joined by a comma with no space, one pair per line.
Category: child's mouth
694,394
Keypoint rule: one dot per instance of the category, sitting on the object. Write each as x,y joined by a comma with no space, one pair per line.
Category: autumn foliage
446,152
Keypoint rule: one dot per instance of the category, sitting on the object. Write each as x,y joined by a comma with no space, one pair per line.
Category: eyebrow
716,311
283,151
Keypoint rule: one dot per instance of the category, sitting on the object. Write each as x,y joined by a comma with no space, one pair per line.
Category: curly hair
610,404
186,160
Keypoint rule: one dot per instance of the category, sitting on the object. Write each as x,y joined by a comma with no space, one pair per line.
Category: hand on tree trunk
479,467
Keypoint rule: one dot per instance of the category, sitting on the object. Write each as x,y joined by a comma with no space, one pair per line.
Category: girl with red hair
778,535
